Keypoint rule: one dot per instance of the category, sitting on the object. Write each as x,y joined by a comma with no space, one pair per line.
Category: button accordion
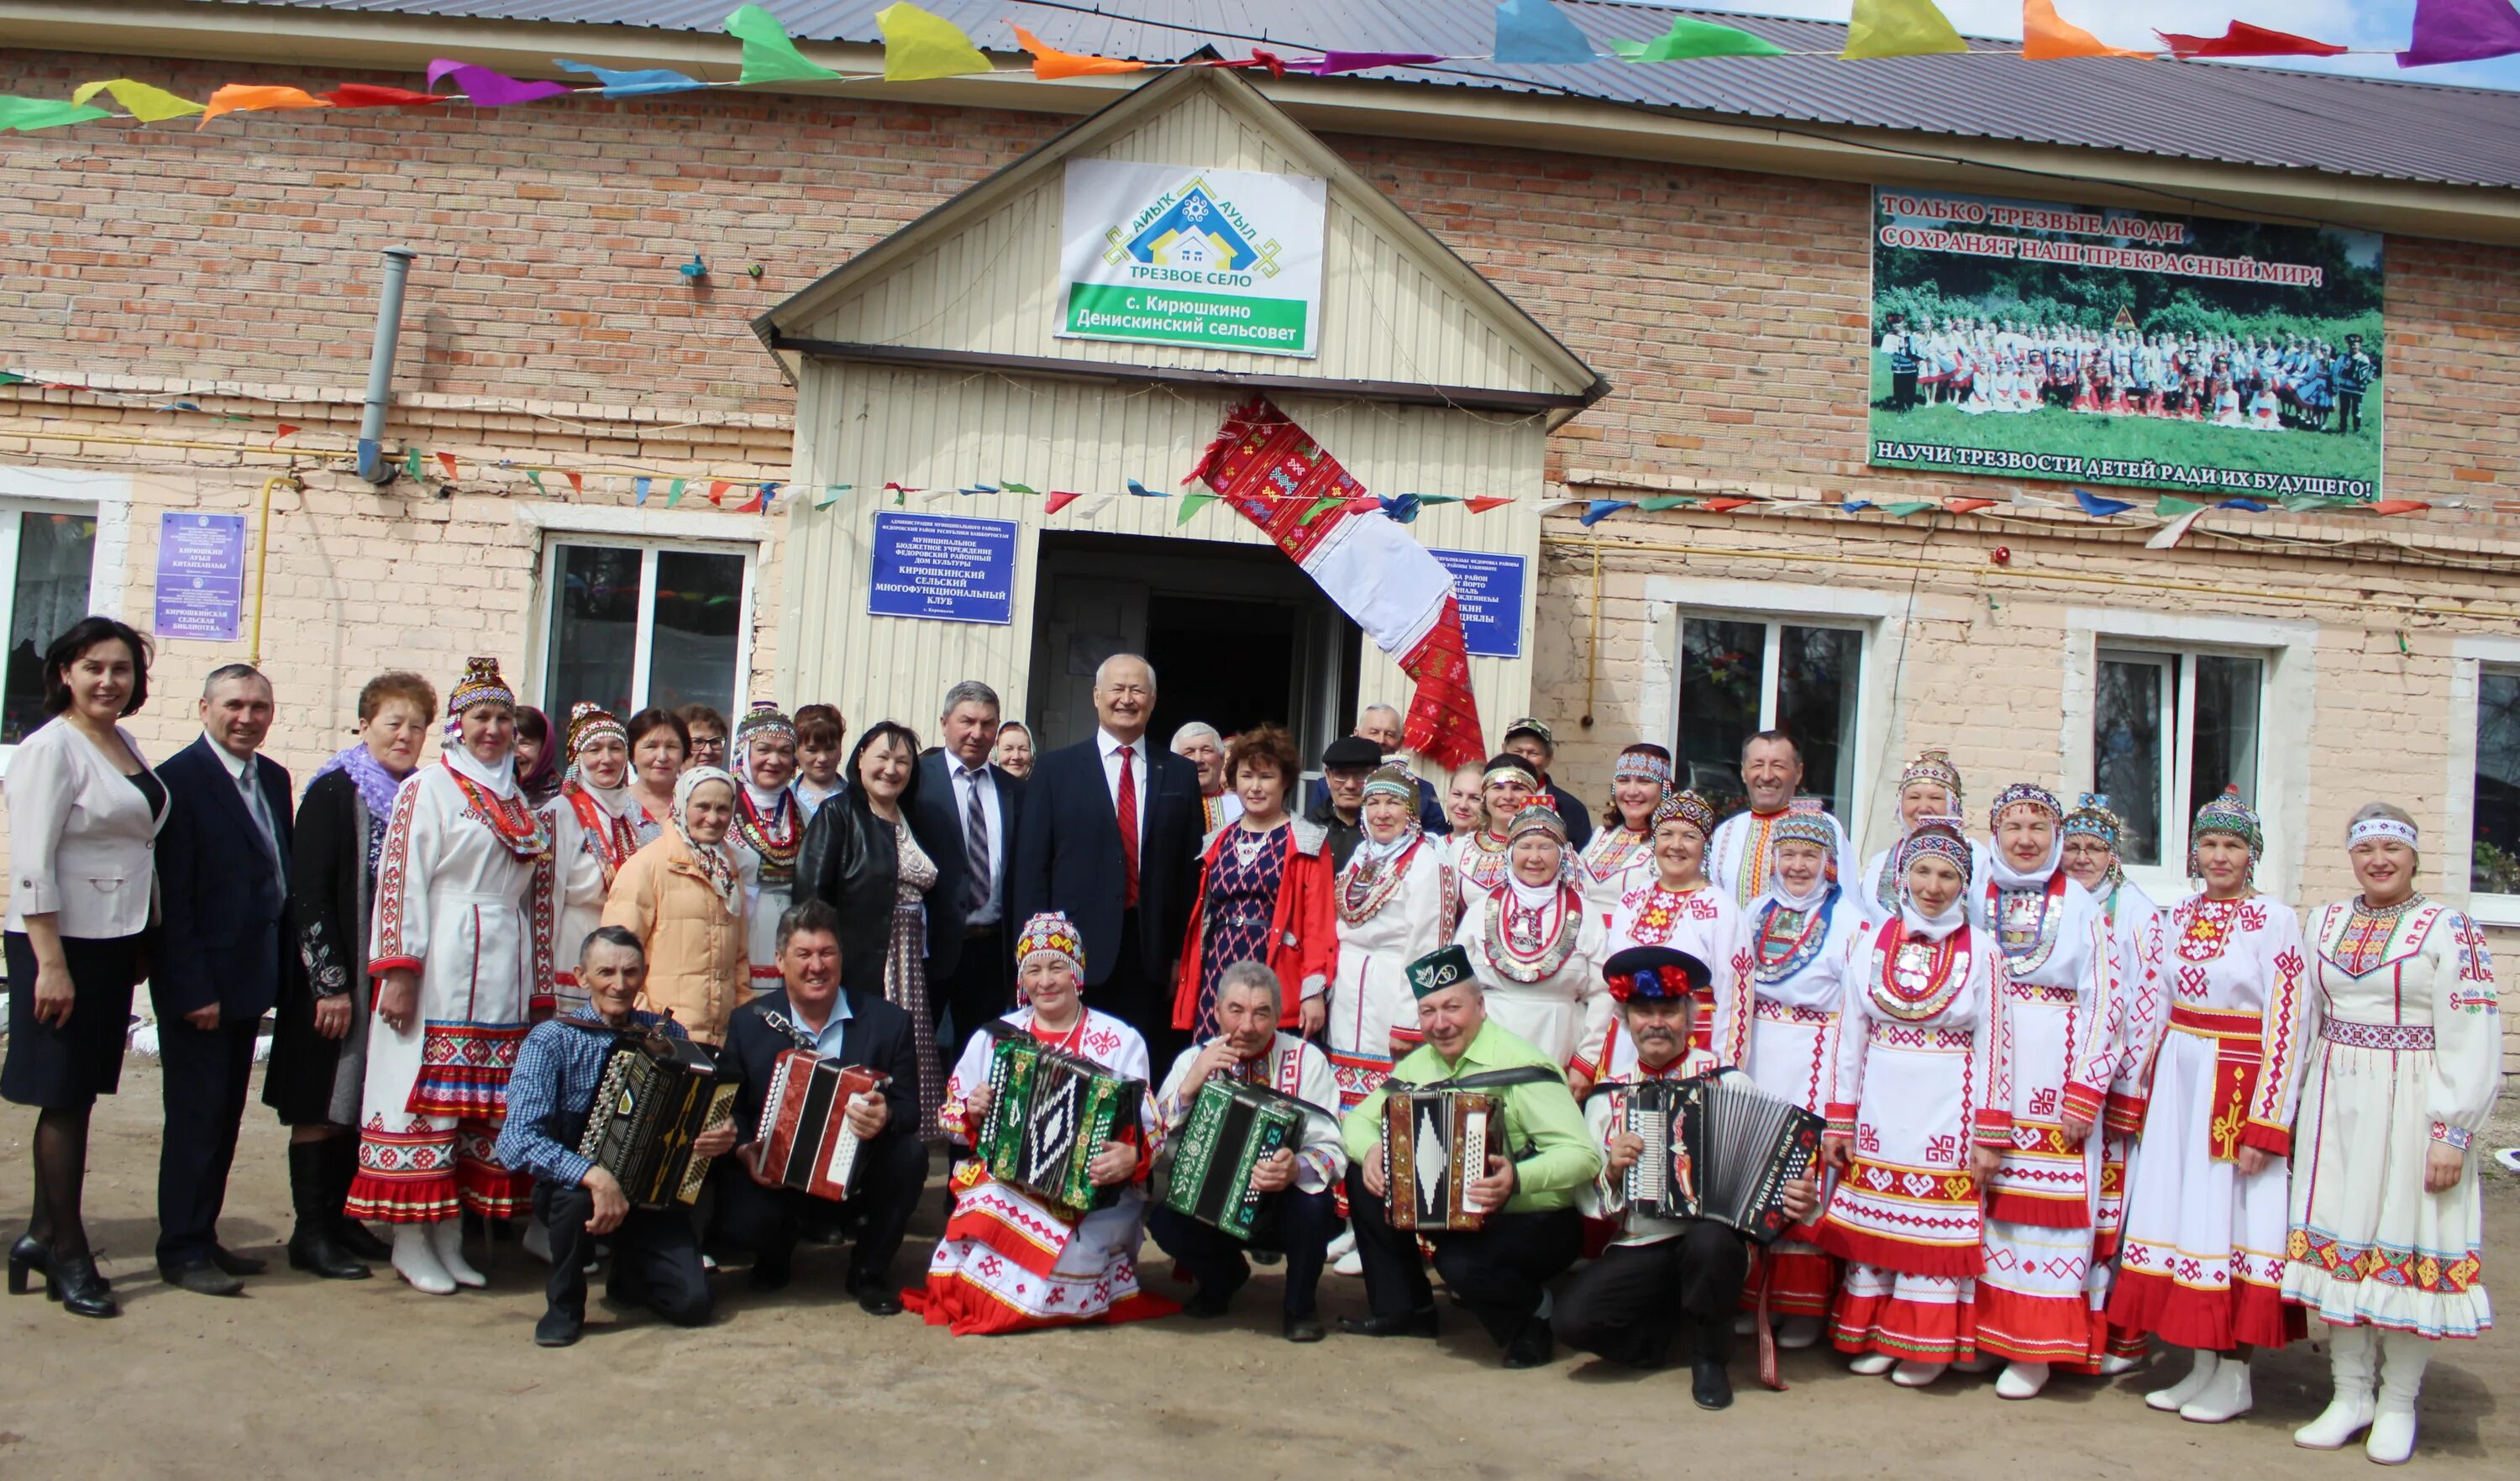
1049,1112
1232,1128
657,1096
806,1142
1436,1139
1715,1148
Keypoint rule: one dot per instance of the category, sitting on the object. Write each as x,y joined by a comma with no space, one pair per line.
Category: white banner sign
1172,254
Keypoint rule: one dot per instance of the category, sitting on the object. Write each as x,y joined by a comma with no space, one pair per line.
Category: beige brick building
1716,270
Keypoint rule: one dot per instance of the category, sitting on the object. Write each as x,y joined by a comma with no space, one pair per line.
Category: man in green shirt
1538,1159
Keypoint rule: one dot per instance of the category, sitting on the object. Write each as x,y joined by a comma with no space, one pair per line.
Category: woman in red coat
1265,893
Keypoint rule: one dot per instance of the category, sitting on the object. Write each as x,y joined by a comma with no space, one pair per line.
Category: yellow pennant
148,105
918,45
1899,29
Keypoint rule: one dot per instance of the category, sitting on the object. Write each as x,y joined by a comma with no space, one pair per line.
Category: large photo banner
2100,345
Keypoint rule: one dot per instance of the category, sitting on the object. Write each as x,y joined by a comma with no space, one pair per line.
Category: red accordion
805,1138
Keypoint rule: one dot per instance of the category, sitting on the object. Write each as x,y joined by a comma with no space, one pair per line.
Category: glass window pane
2494,867
2126,751
1719,704
1815,683
699,604
56,557
2225,751
593,628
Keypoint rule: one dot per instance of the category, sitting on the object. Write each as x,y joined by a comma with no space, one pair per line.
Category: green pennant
1439,498
411,464
2303,504
1320,508
1667,501
2172,507
1689,39
768,54
26,115
1009,485
12,378
674,495
830,495
1905,507
1192,504
536,479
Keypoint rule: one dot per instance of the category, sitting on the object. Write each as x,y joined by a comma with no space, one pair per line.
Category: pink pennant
486,88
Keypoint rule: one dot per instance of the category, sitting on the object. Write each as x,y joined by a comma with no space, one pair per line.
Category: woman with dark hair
660,744
862,854
84,811
538,761
1267,893
1638,780
704,735
319,1041
819,730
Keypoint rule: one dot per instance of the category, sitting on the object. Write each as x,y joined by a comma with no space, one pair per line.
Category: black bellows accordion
1715,1148
657,1096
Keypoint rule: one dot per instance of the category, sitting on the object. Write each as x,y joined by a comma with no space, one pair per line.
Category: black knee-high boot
1710,1355
340,1170
312,1246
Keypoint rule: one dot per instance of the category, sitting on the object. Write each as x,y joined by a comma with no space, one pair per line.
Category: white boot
2021,1381
1871,1365
2351,1355
2112,1365
2225,1396
2392,1441
417,1263
1916,1375
1794,1333
2170,1400
446,1242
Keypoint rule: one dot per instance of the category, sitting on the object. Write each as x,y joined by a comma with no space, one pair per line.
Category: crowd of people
2064,1123
1982,365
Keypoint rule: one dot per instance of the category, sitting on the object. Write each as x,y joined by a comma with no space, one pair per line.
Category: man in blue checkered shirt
656,1256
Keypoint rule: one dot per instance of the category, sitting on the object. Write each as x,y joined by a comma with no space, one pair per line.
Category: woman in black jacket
319,1047
862,854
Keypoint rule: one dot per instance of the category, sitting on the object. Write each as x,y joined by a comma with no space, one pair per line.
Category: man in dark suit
1109,834
223,884
968,807
812,1011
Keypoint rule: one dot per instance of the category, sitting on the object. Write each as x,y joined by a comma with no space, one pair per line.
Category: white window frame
103,497
2470,656
2177,722
1672,601
652,532
2286,686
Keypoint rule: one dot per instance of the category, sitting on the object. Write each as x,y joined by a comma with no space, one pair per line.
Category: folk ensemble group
2061,1123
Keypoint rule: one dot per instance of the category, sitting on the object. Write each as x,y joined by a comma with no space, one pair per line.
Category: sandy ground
302,1378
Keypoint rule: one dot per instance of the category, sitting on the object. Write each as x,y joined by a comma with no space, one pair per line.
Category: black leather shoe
560,1327
234,1264
1533,1346
314,1252
201,1277
81,1292
767,1275
30,1256
1304,1329
876,1301
358,1242
1710,1379
1416,1324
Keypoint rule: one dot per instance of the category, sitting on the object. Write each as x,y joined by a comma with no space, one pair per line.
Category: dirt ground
370,1379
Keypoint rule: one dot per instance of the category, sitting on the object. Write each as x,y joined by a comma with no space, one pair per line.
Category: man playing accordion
1660,1277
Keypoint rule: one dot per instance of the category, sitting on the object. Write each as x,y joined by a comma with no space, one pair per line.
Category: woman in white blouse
85,812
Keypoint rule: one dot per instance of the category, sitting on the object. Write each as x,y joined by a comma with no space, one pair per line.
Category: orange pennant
717,492
242,98
2396,507
1725,505
1967,506
1482,506
576,484
446,461
2047,36
1048,63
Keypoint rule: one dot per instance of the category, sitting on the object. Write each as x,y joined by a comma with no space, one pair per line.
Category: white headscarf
500,780
715,860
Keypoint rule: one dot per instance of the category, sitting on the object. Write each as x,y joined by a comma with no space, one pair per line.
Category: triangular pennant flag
1095,503
286,430
446,461
900,495
411,464
1597,509
830,495
1332,64
1689,38
1403,508
1967,506
576,485
769,496
768,54
918,45
1482,506
148,105
1852,506
241,98
1903,507
1434,499
2098,508
2047,36
484,87
638,489
1546,505
1725,505
12,378
2171,505
181,406
2303,504
1141,490
1058,500
717,491
636,84
1012,487
1658,504
1537,33
2461,31
26,115
2241,39
1320,508
1191,505
1899,29
1049,63
674,493
374,95
2246,506
535,477
2398,507
2169,535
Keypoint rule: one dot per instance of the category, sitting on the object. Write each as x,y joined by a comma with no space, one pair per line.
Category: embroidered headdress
1538,818
1936,836
589,722
1803,827
1054,933
2020,792
1393,781
2092,818
1507,767
2228,814
1446,967
1934,765
1643,761
480,684
1689,807
2381,827
765,718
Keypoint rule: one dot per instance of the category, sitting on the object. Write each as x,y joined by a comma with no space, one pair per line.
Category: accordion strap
1493,1079
788,1026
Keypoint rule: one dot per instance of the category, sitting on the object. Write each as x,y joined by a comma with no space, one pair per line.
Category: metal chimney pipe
380,358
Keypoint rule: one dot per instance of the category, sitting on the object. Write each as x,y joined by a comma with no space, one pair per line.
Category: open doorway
1237,634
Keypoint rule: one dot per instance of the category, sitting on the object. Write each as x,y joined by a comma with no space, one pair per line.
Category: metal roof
2258,117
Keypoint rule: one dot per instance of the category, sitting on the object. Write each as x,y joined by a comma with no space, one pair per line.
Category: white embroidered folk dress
1742,853
1609,865
1391,912
1703,922
1482,860
2406,1056
767,833
1542,970
2201,1260
2136,947
1800,960
590,842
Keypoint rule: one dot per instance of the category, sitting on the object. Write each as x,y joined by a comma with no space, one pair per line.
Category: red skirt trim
2148,1302
2061,1330
1964,1261
2016,1207
1908,1331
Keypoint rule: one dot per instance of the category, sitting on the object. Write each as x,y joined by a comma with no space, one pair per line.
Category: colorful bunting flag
1482,506
1333,62
484,87
534,476
2461,31
446,461
1725,505
634,84
1320,508
1853,506
285,431
1967,506
2169,535
1057,501
768,54
1903,507
1049,63
2171,505
918,46
1597,509
2398,507
1403,508
243,98
1535,33
1191,505
2047,36
26,115
1009,485
1689,38
2241,39
374,95
1899,29
830,495
576,485
148,105
1657,505
2304,504
1141,490
2246,506
717,491
2098,508
674,493
411,464
639,491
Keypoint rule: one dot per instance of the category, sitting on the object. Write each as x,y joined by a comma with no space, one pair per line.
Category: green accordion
1049,1113
1230,1130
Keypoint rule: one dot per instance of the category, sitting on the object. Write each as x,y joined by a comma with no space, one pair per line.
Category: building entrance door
1238,635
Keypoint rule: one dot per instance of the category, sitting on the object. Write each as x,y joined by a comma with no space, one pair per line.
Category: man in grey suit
969,806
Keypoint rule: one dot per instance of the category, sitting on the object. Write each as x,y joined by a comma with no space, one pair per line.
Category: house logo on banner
1159,254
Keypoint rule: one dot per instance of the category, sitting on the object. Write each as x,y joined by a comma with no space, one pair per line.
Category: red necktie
1129,827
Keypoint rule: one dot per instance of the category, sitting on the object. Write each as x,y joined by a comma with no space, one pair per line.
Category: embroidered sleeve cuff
2452,1136
2085,1103
1992,1127
377,966
2267,1137
2124,1114
1841,1119
1579,1065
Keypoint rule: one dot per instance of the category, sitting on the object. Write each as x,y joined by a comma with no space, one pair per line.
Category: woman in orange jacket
1267,893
